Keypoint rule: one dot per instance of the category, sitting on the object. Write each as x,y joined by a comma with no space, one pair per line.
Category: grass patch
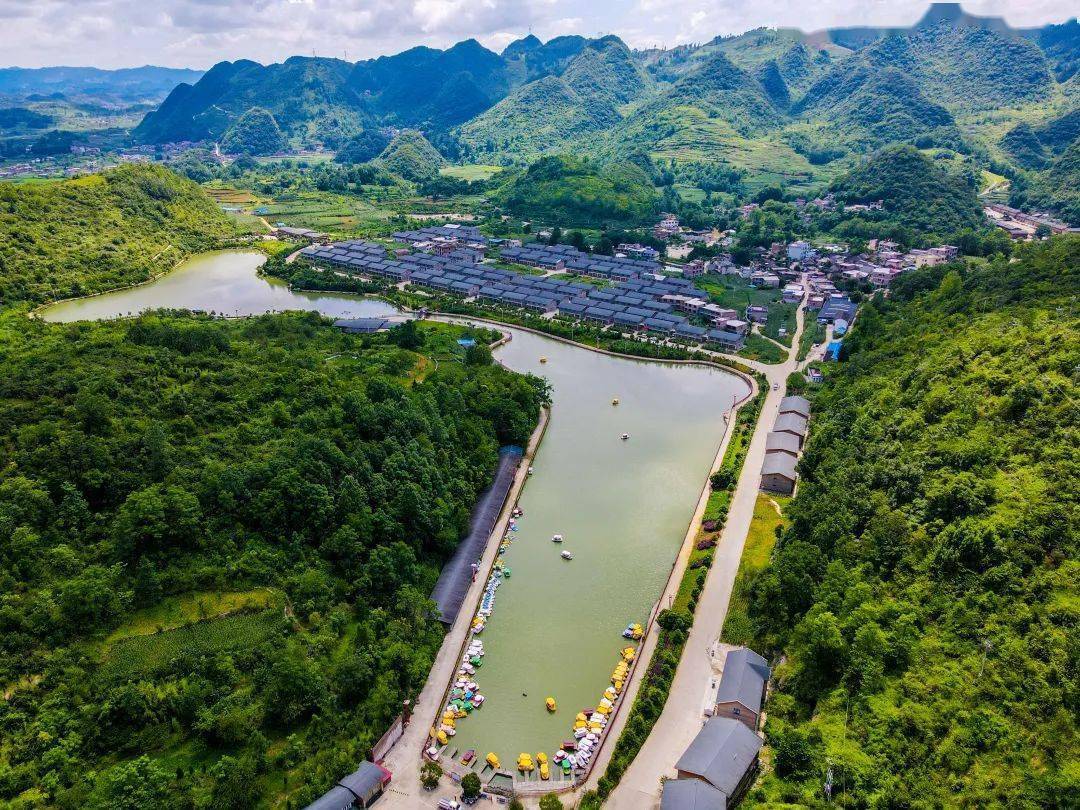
782,315
144,655
471,171
813,334
733,292
758,348
760,540
177,611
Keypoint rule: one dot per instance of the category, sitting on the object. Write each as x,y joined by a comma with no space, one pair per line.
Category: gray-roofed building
782,443
795,404
689,331
691,794
792,423
778,473
362,325
364,786
724,754
742,687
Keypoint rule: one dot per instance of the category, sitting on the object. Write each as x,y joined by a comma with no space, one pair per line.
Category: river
623,507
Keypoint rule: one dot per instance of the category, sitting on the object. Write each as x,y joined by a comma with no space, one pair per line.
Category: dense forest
924,598
73,237
572,191
216,543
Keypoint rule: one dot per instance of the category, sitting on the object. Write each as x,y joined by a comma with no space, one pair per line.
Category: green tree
133,785
430,774
470,786
550,801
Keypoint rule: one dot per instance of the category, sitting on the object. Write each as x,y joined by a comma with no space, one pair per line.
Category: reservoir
225,282
622,506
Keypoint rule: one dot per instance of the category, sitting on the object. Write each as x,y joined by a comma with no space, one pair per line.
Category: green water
225,282
622,506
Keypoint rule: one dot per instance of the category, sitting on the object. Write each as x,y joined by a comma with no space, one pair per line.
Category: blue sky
198,33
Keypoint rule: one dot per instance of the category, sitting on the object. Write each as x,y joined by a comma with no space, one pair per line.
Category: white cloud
197,33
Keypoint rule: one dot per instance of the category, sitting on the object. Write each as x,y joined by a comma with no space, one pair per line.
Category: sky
199,33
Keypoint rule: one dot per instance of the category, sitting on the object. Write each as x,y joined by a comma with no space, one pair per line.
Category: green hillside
73,237
863,108
966,68
916,193
701,116
543,116
412,156
217,544
309,97
256,132
1057,188
605,72
925,597
362,147
569,191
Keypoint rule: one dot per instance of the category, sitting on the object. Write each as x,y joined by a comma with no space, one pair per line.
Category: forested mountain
914,192
925,595
216,536
216,547
410,155
563,188
543,116
256,132
75,237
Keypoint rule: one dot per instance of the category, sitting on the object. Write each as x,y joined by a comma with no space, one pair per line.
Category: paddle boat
615,401
550,704
566,555
625,436
556,538
492,760
543,359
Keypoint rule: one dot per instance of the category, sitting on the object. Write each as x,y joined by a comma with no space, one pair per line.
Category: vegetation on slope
74,237
256,132
1056,189
915,193
541,117
565,190
605,71
925,595
362,147
412,156
171,454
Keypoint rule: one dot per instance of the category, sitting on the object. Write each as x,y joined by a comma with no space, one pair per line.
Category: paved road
700,666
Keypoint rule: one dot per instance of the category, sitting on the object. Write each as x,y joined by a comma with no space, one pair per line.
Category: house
362,326
691,794
795,404
792,423
840,327
764,280
797,251
778,473
757,314
782,443
742,687
359,789
814,375
837,306
724,754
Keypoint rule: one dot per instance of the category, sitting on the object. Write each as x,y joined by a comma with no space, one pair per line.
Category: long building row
647,302
569,258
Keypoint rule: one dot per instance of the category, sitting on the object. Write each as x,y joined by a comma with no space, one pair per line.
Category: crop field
140,656
781,315
734,293
760,540
471,171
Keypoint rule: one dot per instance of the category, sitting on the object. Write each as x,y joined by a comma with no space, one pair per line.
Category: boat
556,538
615,401
545,771
550,704
625,436
469,756
530,470
543,359
492,760
566,555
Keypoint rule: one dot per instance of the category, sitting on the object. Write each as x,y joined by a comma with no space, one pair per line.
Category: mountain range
127,85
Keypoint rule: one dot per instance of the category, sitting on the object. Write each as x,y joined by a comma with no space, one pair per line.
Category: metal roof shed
744,679
691,794
722,754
